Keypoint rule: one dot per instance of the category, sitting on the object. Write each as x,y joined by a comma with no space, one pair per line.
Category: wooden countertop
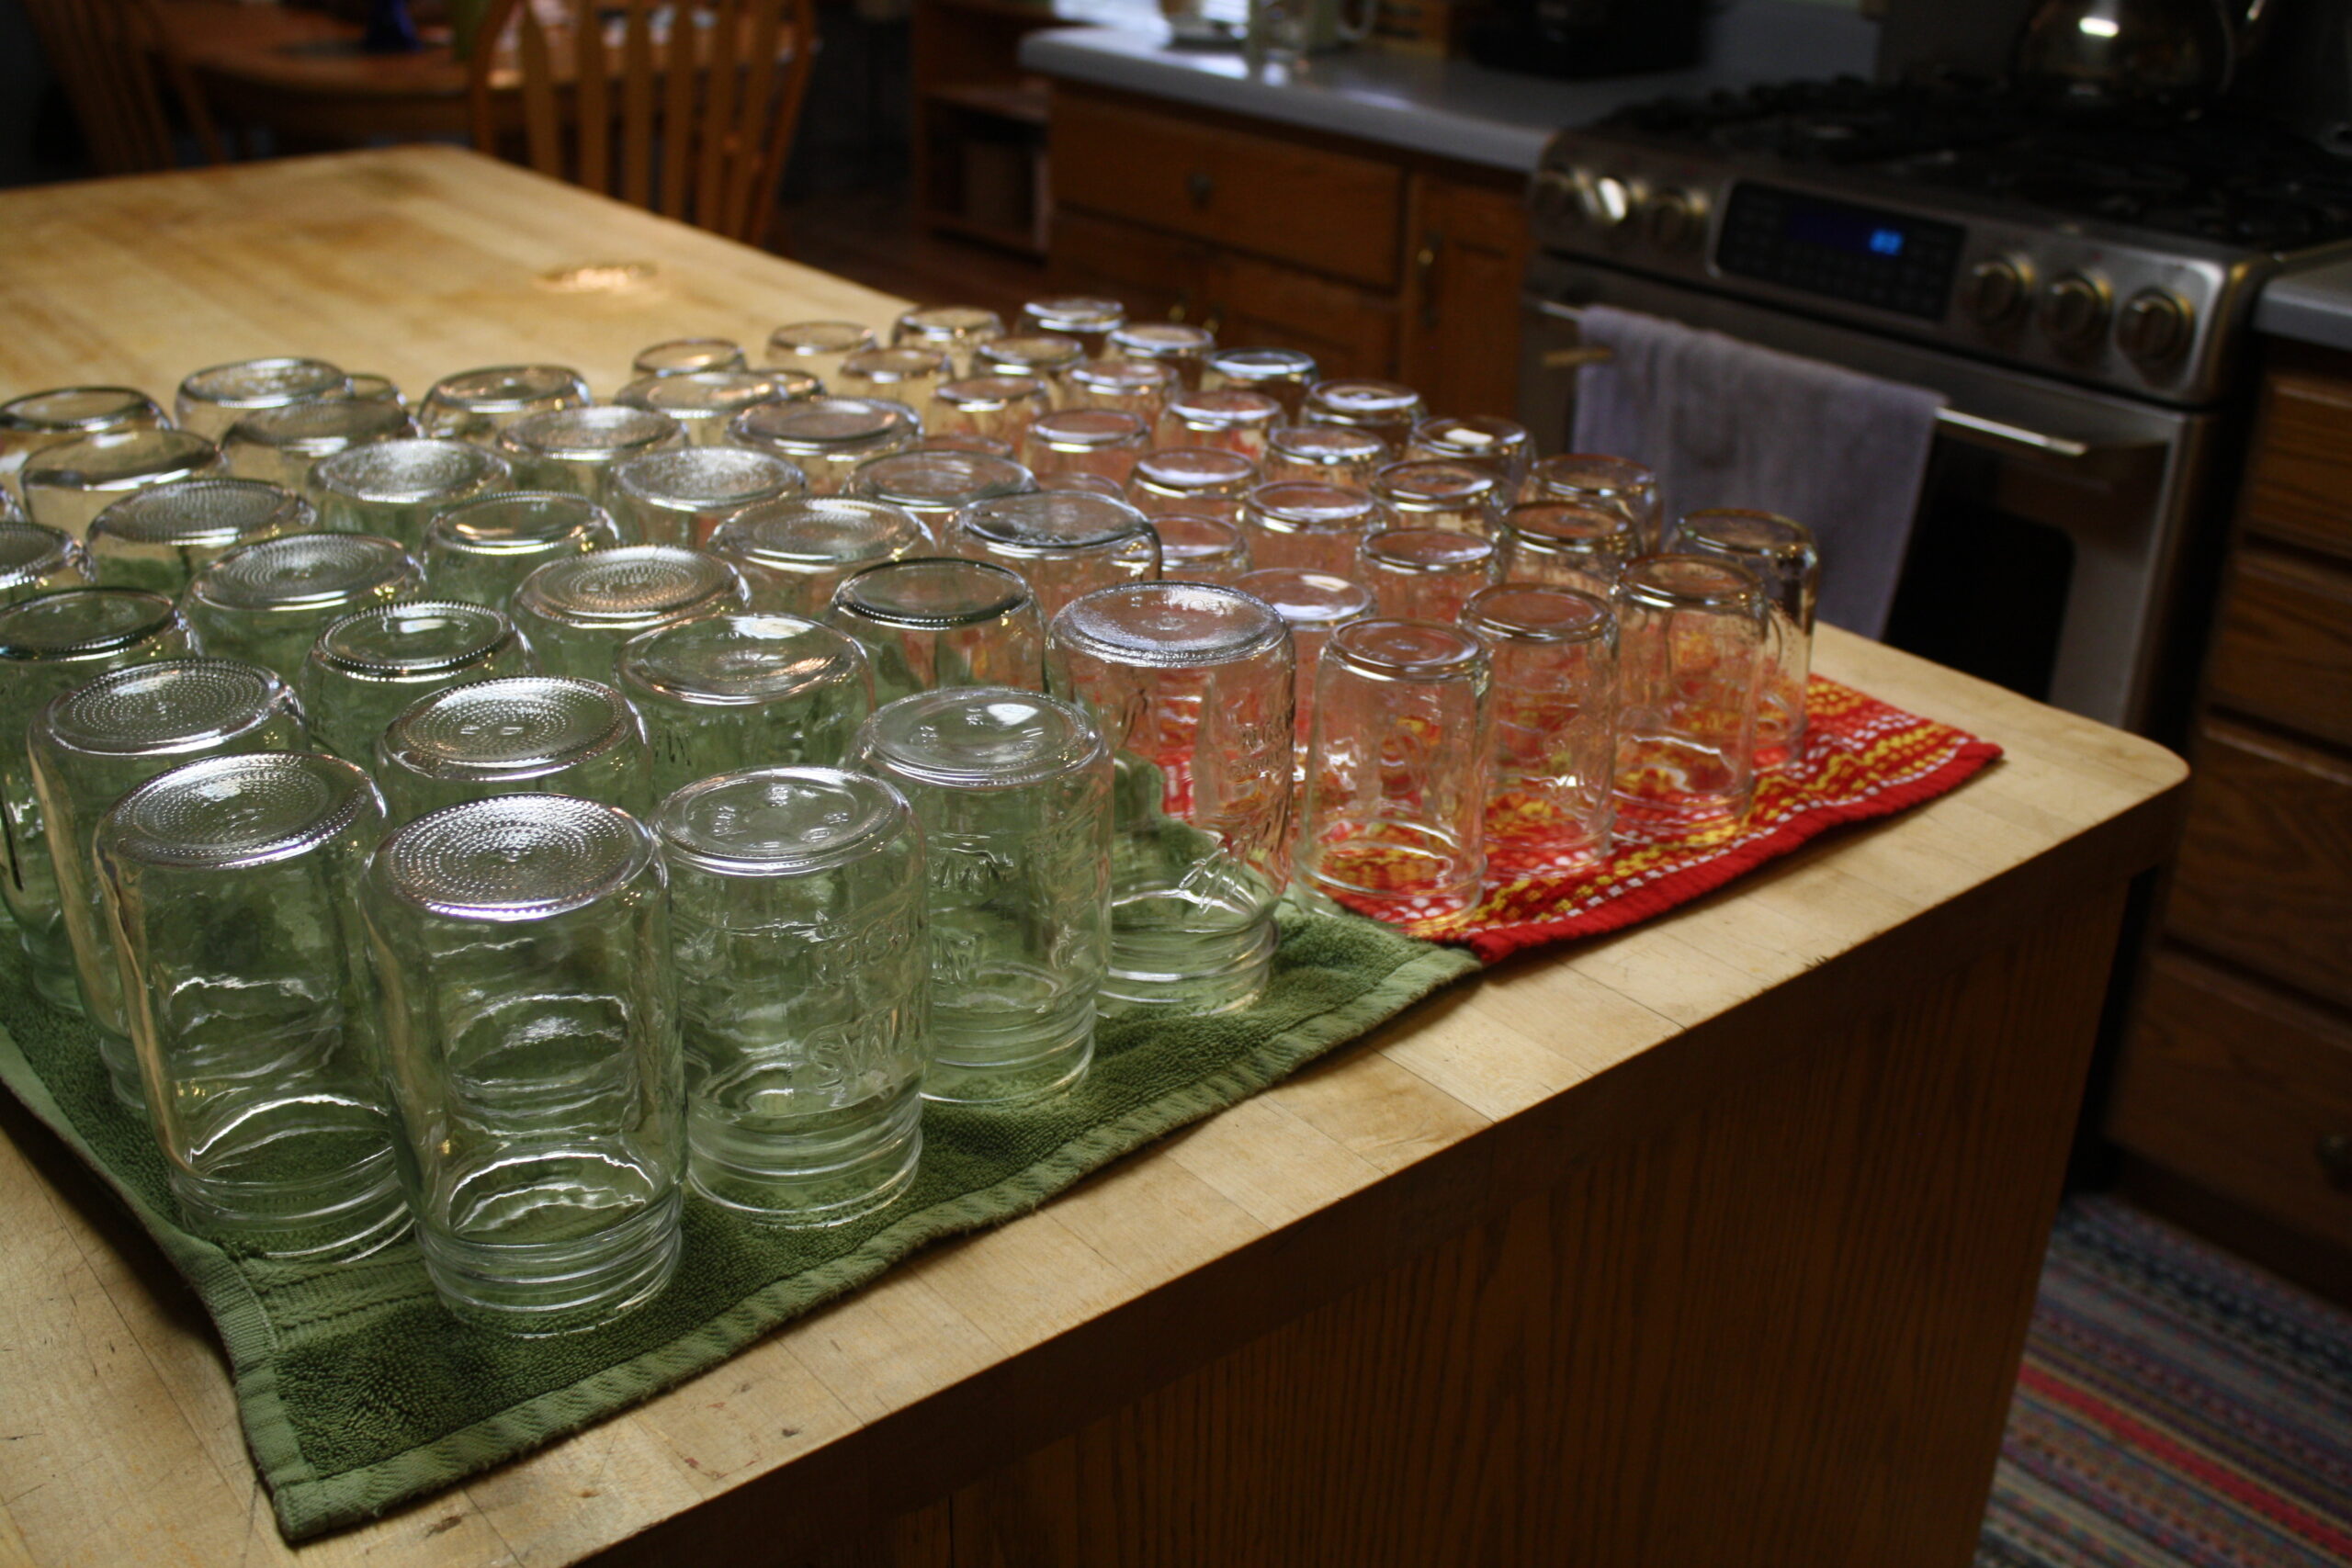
120,1440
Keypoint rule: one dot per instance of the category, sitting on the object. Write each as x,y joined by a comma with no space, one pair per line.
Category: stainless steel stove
2081,291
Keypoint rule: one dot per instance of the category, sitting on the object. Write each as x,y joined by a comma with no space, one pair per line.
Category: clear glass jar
575,612
1282,374
827,438
67,485
67,413
1396,775
481,551
231,881
1191,687
792,553
1563,543
530,1045
796,933
818,348
281,446
368,668
1426,574
574,449
1313,604
1192,478
394,488
1183,348
722,693
1062,543
48,645
999,407
476,405
1590,479
1103,442
1195,547
934,485
1042,356
1692,636
516,735
1551,771
688,356
89,747
1230,419
213,400
704,401
1440,493
1780,552
1500,446
955,331
369,387
1388,409
268,603
965,442
681,497
1013,791
907,376
34,559
159,539
930,622
1311,525
1139,387
1325,454
1090,321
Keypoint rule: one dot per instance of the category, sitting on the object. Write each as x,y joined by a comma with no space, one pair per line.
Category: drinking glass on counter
574,449
720,693
1396,774
531,1056
688,356
933,622
1313,604
1693,637
1190,478
1501,446
907,376
1388,409
1426,574
477,405
1282,374
1591,480
826,438
1097,441
159,539
1040,357
955,331
998,406
1013,791
1183,348
213,400
1440,493
681,496
1310,524
818,348
796,934
1779,553
230,882
49,645
61,414
704,401
368,668
267,602
1327,454
395,488
1234,419
89,747
1191,687
283,444
576,612
792,554
1085,318
67,485
1195,547
515,735
482,550
1566,544
934,485
1062,543
34,559
1139,387
1551,771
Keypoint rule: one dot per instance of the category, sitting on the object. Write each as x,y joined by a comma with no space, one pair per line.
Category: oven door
2052,524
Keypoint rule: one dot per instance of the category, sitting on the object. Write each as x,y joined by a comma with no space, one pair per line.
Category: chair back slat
639,77
716,132
678,87
764,182
114,59
542,116
750,129
591,97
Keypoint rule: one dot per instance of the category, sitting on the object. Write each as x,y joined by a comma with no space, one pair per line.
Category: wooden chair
692,119
108,55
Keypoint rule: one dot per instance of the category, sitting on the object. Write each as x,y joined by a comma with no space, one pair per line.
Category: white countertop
1449,107
2312,306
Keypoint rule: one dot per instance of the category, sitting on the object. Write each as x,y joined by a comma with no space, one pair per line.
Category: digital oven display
1888,260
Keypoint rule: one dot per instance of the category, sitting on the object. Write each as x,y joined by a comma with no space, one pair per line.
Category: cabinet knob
2334,1151
1199,186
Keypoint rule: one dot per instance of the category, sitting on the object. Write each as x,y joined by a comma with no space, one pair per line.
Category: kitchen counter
1451,109
2313,306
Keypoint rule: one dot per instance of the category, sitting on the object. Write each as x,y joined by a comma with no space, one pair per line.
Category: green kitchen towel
357,1391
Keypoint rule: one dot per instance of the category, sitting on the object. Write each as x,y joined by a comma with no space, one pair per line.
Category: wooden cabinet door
1460,343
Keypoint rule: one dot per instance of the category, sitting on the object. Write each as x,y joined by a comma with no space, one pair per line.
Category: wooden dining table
1709,1242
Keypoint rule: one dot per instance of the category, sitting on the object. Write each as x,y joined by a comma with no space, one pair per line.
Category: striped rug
2176,1409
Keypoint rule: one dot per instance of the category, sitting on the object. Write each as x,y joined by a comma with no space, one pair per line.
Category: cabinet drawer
2241,1090
2265,875
1156,277
1333,211
2299,487
2283,648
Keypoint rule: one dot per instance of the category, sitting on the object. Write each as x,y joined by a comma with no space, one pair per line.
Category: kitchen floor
872,237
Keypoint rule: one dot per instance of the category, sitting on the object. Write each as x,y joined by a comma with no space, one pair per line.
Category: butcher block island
1710,1241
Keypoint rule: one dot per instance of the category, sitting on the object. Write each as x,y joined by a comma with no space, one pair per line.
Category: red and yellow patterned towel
1862,758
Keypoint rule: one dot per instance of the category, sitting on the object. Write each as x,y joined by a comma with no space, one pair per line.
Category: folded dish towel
1728,424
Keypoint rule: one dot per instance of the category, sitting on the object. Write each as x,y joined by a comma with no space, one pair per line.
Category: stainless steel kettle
2176,54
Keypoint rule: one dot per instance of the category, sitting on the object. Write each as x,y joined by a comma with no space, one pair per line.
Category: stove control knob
1609,203
1553,195
2155,327
1673,219
2075,311
1998,287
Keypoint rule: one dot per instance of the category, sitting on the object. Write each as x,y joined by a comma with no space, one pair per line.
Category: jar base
804,1183
359,1216
971,1068
536,1291
1162,971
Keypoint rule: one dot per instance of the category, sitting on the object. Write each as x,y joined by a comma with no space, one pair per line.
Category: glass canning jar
826,437
282,444
394,488
369,667
213,400
159,539
268,602
930,622
576,612
722,693
792,554
681,496
516,735
481,551
476,405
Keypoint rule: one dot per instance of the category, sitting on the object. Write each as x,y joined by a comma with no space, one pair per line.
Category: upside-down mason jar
1195,547
688,356
476,405
481,551
1693,635
722,693
1551,768
1437,492
792,553
1388,409
1590,479
576,612
392,489
1192,478
281,446
826,437
936,485
1325,454
1087,318
816,348
159,539
1566,544
1062,543
1312,524
34,559
1501,446
1781,554
1313,604
515,735
267,602
704,401
1282,374
931,622
1233,419
372,666
955,331
1426,574
59,414
680,497
213,400
1183,348
67,485
575,449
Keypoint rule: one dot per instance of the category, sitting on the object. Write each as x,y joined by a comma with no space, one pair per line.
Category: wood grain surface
1822,1109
